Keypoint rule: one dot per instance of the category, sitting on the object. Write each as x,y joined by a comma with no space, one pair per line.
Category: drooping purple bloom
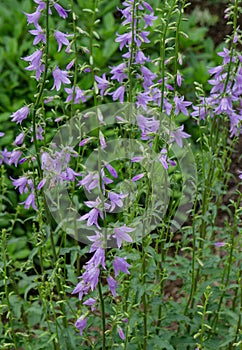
121,234
121,333
178,135
181,105
41,5
90,276
21,183
116,200
140,58
219,244
69,174
30,201
41,184
20,115
39,35
147,126
111,170
14,157
118,94
148,77
97,259
102,140
90,182
81,323
35,63
92,216
137,177
79,95
19,139
120,264
102,83
112,285
60,77
118,73
5,154
149,19
124,39
143,99
163,158
33,17
61,11
61,39
90,302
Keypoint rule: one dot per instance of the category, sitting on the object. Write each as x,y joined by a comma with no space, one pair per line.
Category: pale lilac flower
39,35
111,170
98,241
118,72
97,259
79,95
85,141
137,177
61,11
70,64
116,200
20,115
30,201
92,216
14,157
41,184
120,264
148,77
240,174
137,159
19,139
90,302
41,5
61,39
226,56
81,322
179,79
143,99
33,17
124,39
90,276
69,174
121,234
2,134
60,77
90,182
178,135
118,94
102,140
5,154
163,158
112,285
149,19
102,83
219,244
142,38
121,333
21,183
181,105
39,132
35,63
140,58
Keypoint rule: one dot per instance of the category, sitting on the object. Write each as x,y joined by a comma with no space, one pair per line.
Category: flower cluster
224,100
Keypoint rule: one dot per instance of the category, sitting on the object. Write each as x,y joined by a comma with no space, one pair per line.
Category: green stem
102,316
